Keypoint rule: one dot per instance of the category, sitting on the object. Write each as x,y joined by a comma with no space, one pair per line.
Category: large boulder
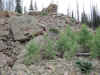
23,26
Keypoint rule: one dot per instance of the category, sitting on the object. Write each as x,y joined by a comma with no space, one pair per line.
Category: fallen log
83,54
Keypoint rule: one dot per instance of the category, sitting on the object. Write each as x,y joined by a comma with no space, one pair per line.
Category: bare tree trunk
1,5
77,10
31,6
35,5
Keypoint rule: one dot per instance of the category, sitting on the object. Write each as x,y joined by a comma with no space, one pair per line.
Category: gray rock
39,40
21,69
4,60
2,45
6,71
23,26
3,27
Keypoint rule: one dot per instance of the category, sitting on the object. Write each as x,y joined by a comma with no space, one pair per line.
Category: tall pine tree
31,6
18,6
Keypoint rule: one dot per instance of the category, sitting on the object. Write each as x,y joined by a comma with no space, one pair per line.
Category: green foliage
18,6
67,43
49,52
84,18
84,66
44,14
54,30
95,18
95,52
85,38
32,52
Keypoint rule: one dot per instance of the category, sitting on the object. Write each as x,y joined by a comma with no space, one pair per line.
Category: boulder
51,9
23,26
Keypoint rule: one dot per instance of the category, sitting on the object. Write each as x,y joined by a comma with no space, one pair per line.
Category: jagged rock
3,28
6,71
35,13
2,45
52,22
4,60
7,14
23,26
39,40
51,9
4,14
21,69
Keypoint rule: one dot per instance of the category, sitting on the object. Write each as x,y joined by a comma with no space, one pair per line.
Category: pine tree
31,6
72,14
84,18
95,17
18,6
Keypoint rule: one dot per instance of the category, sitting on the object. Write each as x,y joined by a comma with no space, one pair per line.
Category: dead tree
1,5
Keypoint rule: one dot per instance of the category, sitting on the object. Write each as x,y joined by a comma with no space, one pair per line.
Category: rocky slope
17,30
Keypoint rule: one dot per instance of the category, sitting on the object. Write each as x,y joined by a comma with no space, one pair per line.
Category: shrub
32,52
95,52
85,38
67,45
49,52
54,30
84,66
44,14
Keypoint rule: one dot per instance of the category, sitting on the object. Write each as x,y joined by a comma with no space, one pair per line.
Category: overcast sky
63,5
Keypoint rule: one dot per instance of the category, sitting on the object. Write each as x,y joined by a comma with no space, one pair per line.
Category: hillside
17,30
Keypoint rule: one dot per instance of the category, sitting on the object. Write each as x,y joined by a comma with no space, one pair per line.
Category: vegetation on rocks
85,38
67,43
49,52
33,51
95,48
42,41
54,30
84,66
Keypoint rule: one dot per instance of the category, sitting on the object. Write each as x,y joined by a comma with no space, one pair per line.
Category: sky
63,5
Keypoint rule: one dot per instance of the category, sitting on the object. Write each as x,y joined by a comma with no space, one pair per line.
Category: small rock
66,73
4,60
21,69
